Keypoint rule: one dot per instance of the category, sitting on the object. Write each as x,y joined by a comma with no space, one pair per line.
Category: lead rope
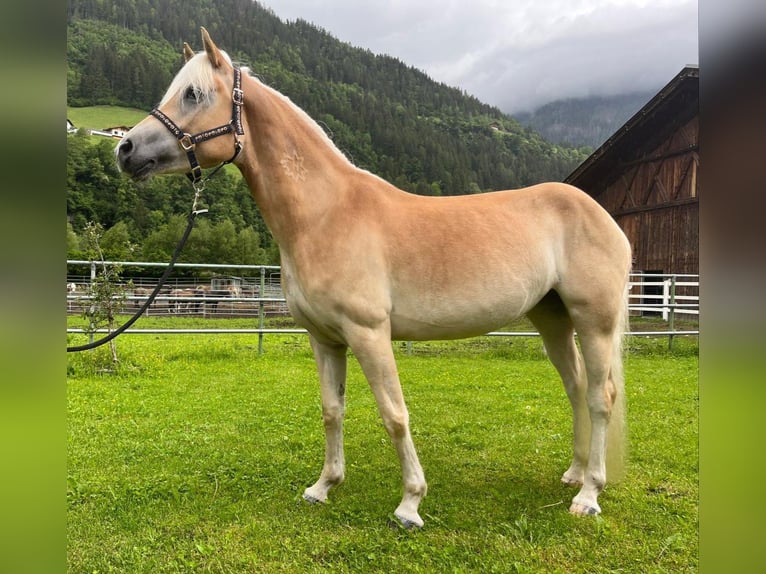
190,224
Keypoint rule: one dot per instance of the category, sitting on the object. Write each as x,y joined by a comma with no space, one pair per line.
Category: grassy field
100,117
192,455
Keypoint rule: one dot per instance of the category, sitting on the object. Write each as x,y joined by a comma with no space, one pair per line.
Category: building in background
646,177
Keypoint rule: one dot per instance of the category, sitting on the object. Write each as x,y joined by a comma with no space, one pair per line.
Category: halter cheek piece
188,142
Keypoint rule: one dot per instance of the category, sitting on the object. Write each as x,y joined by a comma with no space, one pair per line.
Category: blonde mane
307,119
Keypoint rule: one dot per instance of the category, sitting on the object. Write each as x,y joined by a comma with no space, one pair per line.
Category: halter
188,142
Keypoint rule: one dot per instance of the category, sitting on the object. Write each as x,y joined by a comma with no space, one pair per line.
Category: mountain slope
388,117
584,121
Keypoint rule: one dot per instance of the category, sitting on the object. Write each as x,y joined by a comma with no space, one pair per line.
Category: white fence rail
255,291
664,294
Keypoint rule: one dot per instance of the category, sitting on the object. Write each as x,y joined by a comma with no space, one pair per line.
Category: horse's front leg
375,354
331,364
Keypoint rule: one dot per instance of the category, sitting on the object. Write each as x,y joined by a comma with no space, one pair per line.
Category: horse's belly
449,319
408,329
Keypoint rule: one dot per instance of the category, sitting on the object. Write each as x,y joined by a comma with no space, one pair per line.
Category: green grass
192,454
100,117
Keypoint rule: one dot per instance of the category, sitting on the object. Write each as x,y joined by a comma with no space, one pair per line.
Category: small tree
72,243
115,243
107,293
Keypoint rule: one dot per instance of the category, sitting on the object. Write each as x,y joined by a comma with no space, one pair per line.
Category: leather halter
188,142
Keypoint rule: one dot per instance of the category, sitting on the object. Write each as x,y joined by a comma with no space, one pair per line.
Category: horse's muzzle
130,163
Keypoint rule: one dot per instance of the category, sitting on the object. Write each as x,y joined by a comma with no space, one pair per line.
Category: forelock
196,73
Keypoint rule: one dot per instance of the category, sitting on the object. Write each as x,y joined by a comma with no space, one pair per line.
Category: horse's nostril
126,147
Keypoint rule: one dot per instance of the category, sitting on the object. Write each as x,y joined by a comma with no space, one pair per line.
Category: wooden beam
692,148
676,203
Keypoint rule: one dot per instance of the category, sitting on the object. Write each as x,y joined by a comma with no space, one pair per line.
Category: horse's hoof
408,523
584,510
571,481
311,499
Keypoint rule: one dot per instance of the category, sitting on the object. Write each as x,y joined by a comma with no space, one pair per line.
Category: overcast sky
519,54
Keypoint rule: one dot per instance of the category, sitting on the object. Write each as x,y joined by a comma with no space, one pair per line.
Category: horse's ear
188,52
216,59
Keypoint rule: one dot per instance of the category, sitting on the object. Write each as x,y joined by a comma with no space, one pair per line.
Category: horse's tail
616,448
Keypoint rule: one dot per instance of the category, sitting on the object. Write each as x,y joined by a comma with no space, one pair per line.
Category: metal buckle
237,96
186,142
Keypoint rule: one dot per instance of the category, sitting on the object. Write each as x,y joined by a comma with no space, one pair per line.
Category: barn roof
673,106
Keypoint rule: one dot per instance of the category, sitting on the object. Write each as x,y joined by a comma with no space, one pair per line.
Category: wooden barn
646,176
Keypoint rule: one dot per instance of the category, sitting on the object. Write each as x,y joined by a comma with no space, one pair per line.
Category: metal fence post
672,316
91,337
261,317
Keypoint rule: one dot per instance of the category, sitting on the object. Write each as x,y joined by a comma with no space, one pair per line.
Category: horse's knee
575,388
397,425
332,416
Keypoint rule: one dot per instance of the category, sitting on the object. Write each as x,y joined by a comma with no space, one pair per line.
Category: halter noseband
188,142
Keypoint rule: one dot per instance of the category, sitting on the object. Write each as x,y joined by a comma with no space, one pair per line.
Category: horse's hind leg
552,320
599,329
597,352
331,364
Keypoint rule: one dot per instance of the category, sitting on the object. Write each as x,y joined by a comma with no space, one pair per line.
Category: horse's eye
192,94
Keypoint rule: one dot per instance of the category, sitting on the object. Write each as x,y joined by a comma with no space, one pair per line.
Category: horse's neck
292,169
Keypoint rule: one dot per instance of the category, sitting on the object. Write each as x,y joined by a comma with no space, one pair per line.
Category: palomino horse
364,263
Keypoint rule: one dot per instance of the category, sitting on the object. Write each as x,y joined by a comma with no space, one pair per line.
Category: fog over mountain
584,121
522,54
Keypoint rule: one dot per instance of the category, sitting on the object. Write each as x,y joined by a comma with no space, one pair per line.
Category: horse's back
529,231
465,265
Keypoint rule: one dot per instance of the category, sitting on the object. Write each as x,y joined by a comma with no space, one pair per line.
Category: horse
365,263
183,301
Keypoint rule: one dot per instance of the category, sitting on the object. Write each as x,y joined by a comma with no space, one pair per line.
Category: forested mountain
584,121
388,117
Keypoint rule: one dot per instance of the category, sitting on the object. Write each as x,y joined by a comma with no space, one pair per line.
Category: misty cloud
520,54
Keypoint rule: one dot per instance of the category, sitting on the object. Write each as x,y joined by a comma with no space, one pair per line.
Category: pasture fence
210,291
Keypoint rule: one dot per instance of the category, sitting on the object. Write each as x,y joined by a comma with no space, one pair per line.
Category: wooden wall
655,201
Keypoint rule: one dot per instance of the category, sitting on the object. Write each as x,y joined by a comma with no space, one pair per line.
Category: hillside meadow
100,117
192,453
